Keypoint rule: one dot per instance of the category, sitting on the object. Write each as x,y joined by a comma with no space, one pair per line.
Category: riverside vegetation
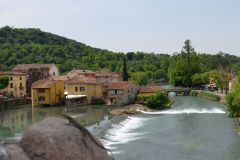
204,94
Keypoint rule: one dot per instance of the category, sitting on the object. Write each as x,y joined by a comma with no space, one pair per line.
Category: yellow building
87,86
47,92
17,83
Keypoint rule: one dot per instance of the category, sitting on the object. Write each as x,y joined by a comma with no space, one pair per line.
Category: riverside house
85,89
36,72
121,93
17,83
47,92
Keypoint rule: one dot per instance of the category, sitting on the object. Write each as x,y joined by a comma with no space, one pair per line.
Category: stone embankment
13,103
53,139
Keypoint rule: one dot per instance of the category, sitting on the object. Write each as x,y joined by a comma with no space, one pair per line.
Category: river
194,129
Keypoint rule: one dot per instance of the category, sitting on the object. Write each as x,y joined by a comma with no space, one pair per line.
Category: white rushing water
123,133
187,111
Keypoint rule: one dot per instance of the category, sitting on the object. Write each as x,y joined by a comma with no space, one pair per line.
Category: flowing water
194,129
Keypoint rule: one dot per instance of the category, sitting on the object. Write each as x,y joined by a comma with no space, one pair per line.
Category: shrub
156,101
233,101
209,95
193,93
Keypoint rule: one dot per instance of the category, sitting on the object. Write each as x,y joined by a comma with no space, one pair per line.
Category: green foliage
233,101
156,101
209,95
140,78
193,93
199,79
4,82
183,66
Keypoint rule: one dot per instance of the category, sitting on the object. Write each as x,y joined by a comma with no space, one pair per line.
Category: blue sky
159,26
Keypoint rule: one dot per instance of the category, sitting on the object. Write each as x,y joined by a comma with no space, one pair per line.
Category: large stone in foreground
11,151
56,139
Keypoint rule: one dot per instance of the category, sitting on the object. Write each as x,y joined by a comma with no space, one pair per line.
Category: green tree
4,82
183,66
140,78
233,101
125,74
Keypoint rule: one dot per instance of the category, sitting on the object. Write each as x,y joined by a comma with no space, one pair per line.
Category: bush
193,93
209,95
233,101
4,82
156,101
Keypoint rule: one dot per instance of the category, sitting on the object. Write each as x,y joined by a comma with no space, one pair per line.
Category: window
54,73
41,90
82,89
11,78
76,89
115,91
41,98
21,87
11,85
20,78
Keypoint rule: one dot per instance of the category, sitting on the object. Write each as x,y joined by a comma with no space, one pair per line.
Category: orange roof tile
150,89
118,85
81,80
12,73
46,83
25,67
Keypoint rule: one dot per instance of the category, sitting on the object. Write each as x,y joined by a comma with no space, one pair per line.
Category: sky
159,26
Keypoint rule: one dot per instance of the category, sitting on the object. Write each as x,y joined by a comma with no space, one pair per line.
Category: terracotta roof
150,89
60,78
119,85
80,71
46,83
107,75
12,73
81,80
25,67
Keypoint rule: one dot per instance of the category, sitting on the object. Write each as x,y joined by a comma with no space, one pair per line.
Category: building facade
36,72
121,93
87,86
47,92
17,83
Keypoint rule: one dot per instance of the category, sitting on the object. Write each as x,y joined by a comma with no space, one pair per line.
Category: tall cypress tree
125,74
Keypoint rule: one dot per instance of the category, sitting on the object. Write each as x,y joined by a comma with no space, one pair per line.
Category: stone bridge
179,91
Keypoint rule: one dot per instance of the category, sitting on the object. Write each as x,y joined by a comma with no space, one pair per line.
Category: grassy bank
205,94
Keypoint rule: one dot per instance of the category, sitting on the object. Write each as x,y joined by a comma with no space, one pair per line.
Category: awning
75,96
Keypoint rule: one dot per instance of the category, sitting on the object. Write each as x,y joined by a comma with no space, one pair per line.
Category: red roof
119,85
26,67
81,80
150,89
46,83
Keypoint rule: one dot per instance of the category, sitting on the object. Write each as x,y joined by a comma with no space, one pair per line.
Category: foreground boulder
56,139
12,151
